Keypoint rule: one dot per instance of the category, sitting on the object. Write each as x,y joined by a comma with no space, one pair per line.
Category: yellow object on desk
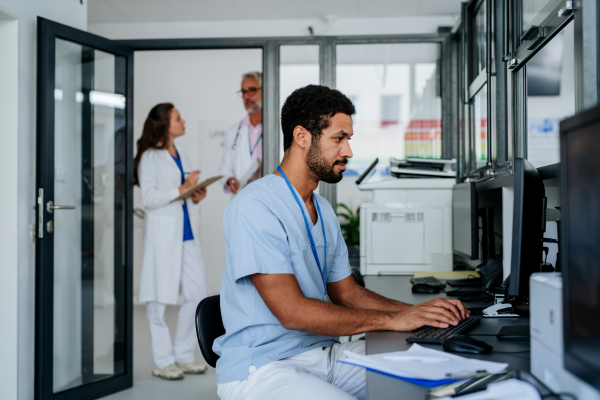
447,274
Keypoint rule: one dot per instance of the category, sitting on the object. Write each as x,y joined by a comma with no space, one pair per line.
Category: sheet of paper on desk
512,389
423,363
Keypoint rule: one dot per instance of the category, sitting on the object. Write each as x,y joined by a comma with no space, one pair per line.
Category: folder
190,191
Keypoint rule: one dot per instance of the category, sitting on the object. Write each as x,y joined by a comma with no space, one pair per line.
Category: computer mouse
425,288
466,344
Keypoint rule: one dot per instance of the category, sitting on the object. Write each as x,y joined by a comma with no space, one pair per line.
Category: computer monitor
464,221
580,244
528,227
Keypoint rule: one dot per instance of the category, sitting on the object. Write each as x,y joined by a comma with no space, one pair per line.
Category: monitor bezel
580,368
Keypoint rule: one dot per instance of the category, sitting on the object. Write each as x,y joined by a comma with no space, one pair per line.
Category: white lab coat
235,162
160,179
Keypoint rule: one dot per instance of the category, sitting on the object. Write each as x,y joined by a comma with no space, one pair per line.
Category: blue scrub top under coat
265,233
187,227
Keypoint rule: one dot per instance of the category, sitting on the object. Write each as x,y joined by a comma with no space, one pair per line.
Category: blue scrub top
265,233
187,227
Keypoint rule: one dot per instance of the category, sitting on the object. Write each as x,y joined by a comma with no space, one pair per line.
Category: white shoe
170,372
192,368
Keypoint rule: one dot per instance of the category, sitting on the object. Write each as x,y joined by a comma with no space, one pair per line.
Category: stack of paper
424,366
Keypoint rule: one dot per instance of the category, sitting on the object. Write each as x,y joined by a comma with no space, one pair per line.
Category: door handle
50,207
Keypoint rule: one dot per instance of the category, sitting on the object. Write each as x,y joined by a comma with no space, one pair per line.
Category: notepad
448,275
190,191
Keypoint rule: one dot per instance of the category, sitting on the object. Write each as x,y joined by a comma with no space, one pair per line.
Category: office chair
209,326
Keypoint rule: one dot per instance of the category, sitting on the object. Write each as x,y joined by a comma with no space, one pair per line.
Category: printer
408,225
546,329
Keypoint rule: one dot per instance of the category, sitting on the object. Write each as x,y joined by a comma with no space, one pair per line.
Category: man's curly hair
312,108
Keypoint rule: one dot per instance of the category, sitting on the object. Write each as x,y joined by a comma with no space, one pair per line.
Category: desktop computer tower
546,325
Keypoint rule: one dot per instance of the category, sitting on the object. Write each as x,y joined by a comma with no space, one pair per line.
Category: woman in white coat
172,259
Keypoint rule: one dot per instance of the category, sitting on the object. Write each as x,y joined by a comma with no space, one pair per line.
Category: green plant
350,225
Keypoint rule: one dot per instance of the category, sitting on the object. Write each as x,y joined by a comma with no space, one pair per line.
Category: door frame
48,32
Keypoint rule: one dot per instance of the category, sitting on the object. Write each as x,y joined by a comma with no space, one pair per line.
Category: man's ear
302,137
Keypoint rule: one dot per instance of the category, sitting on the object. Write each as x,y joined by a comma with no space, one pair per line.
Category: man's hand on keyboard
455,306
423,314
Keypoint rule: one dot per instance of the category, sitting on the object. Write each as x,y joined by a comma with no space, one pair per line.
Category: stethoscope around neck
237,135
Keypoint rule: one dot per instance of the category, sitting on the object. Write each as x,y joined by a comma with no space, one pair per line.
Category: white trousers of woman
193,287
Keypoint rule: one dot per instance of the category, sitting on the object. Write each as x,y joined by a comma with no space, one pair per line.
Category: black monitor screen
464,220
580,189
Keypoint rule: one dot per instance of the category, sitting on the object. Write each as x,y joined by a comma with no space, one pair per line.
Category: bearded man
287,291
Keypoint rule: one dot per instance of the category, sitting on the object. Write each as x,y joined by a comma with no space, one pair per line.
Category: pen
468,375
187,173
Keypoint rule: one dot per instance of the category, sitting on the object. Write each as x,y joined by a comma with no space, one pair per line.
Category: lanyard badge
312,242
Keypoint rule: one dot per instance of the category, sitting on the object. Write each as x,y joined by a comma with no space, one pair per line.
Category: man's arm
284,298
349,294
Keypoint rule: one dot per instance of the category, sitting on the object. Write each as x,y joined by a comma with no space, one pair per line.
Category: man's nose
346,150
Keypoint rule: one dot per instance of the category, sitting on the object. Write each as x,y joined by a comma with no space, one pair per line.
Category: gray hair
254,74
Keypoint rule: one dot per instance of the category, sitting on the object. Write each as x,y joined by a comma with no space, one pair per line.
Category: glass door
84,221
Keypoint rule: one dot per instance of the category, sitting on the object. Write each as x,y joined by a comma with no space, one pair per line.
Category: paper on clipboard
190,191
454,367
254,166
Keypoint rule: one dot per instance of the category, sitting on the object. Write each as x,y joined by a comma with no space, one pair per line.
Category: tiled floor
148,387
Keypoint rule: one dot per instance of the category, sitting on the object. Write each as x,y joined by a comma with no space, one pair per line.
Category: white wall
9,200
17,272
270,27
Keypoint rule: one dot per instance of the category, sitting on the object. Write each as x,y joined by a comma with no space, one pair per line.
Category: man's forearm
364,299
320,318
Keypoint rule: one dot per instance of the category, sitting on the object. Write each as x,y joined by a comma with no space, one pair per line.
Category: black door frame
48,32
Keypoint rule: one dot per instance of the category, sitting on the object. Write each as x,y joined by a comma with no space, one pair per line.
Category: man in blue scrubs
287,290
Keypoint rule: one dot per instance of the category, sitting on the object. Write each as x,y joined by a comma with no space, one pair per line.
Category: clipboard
188,193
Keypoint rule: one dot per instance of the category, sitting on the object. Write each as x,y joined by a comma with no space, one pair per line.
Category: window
390,111
395,90
550,96
479,40
480,125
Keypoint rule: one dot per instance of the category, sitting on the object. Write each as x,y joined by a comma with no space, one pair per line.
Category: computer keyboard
429,280
428,334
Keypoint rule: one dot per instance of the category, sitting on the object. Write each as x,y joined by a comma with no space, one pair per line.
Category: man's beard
252,109
319,166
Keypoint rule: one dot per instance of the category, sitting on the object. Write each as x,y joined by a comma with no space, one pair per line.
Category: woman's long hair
155,134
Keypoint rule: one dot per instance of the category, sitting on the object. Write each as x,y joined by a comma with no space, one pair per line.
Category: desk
383,387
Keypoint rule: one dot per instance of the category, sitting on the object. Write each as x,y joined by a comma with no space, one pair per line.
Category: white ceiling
100,11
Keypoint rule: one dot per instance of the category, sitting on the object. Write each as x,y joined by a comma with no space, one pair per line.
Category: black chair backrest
357,276
209,326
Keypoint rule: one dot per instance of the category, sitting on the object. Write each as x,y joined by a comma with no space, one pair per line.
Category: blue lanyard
252,149
312,242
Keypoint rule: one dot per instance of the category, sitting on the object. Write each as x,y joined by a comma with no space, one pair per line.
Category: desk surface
383,387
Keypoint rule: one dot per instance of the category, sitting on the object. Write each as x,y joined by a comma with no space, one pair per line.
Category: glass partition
298,67
531,8
480,45
396,92
550,96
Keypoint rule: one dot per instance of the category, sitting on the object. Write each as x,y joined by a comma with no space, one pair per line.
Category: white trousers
312,375
193,287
